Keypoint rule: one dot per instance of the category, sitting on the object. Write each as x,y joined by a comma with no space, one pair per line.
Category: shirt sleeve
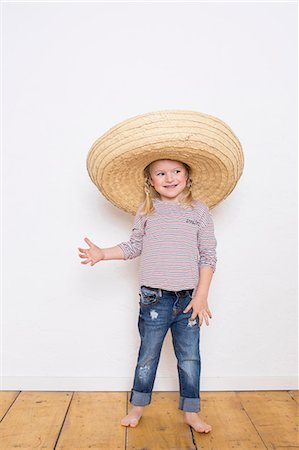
133,247
207,242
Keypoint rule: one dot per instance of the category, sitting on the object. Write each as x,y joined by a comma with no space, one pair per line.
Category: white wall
70,72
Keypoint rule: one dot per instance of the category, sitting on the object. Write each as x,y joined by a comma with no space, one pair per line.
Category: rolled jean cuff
189,404
140,398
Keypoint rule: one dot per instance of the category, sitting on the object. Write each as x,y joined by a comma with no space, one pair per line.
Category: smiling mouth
171,186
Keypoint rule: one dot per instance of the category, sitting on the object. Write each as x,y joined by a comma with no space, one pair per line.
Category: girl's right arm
124,250
94,254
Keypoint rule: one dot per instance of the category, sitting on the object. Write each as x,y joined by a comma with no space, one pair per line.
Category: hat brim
116,160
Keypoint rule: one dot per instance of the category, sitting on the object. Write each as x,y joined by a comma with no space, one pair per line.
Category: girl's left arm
206,275
207,244
199,302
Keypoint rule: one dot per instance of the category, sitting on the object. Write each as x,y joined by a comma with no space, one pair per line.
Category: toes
200,429
133,425
124,422
134,422
129,421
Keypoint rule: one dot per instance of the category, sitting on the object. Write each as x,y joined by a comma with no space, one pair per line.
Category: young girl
174,234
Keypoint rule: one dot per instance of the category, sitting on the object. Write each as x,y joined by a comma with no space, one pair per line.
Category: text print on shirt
195,222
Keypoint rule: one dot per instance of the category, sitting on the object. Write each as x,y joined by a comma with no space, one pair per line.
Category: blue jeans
159,310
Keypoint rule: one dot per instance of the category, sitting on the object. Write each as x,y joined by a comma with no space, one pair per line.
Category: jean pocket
149,296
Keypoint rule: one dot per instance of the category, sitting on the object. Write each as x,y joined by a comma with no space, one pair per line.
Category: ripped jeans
159,310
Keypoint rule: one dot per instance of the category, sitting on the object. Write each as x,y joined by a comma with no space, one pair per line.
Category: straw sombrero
116,160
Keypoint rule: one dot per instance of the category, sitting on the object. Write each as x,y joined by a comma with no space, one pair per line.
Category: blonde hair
150,193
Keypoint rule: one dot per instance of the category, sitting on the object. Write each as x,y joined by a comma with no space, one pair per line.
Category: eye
162,173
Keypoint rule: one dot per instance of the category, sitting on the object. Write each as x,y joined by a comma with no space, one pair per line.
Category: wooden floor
91,420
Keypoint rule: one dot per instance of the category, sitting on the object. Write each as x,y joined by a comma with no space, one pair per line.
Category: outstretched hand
200,308
92,255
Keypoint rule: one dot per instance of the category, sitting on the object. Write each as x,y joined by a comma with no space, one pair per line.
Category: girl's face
168,178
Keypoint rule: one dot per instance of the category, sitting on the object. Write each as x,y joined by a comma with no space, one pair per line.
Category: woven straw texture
116,160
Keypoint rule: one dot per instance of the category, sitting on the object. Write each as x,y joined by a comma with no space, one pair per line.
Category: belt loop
160,292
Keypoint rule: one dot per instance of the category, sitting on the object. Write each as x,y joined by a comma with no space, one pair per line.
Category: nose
169,178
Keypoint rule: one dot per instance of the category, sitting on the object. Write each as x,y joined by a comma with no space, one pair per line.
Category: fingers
85,254
88,242
92,263
187,308
206,319
87,258
202,315
205,316
84,249
86,262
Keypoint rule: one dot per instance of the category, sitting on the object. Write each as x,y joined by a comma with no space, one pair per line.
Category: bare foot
194,420
133,417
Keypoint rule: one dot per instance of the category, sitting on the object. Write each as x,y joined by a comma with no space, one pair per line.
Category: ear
150,180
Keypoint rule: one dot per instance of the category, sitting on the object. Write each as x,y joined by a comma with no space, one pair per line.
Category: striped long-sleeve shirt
174,243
